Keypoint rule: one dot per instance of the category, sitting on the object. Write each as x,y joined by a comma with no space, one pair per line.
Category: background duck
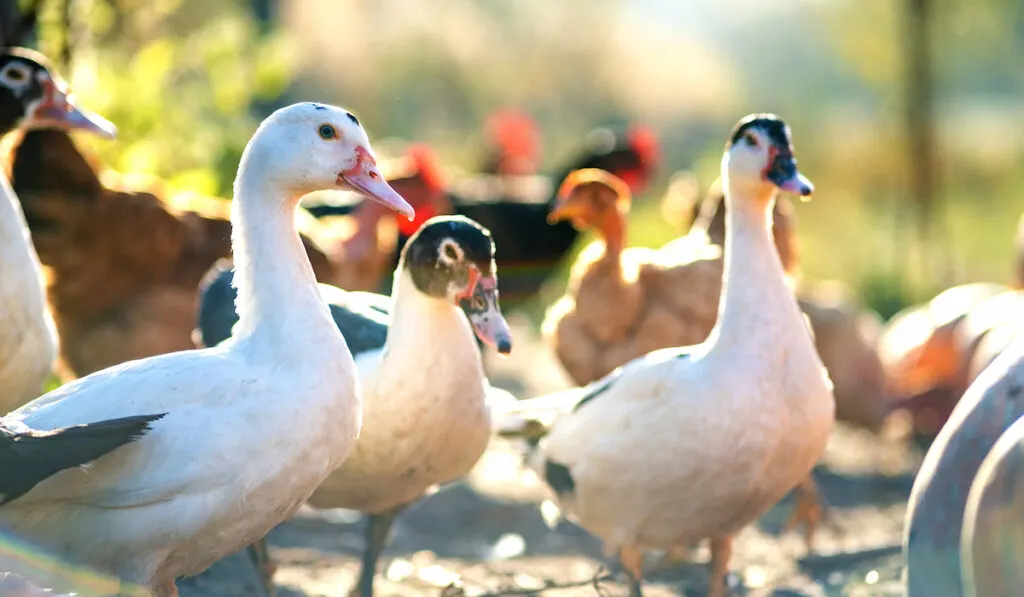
426,401
992,544
32,95
252,427
935,513
751,406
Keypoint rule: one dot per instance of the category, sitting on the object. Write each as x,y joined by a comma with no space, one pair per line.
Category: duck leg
378,527
808,511
721,552
265,566
167,589
632,560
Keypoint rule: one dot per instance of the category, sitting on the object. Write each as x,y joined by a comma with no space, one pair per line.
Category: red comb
514,132
427,166
645,143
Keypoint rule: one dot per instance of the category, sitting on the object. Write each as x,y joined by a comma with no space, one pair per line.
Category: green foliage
180,79
177,77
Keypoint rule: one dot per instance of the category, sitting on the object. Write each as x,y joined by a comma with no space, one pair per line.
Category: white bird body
425,427
28,337
223,463
428,425
693,443
253,425
671,425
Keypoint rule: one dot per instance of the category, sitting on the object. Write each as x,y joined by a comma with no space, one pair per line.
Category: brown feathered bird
123,265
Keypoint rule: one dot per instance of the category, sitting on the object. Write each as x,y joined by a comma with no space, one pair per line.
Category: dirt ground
486,536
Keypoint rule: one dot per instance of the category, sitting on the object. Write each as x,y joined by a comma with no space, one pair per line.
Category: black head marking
14,103
319,108
433,273
353,118
769,125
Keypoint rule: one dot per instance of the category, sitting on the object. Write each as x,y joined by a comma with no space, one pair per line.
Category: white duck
694,443
426,402
32,95
254,425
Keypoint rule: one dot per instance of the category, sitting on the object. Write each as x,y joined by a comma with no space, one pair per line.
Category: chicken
513,144
123,265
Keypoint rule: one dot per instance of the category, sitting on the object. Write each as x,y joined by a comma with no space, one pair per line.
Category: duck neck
755,296
277,290
20,267
13,228
612,227
420,320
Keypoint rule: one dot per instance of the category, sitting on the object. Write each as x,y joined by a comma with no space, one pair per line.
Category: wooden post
919,97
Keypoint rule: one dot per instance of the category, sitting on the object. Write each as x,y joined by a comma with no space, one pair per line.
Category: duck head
451,258
594,198
34,96
759,159
308,147
589,196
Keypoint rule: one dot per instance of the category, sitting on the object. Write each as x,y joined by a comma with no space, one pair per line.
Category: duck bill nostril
366,180
486,317
783,173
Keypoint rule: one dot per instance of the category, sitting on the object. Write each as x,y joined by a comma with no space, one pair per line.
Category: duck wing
362,317
28,456
532,419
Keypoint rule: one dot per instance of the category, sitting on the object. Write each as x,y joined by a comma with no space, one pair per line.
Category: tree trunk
919,108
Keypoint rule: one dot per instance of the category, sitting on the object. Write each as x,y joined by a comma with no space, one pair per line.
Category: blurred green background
186,81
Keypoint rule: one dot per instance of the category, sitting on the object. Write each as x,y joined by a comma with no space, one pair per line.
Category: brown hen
123,266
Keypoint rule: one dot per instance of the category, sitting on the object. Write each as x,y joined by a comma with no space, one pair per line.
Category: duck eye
327,132
15,75
451,253
750,139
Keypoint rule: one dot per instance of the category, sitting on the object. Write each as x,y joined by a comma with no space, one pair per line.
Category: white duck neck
13,227
756,301
277,289
420,321
18,256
